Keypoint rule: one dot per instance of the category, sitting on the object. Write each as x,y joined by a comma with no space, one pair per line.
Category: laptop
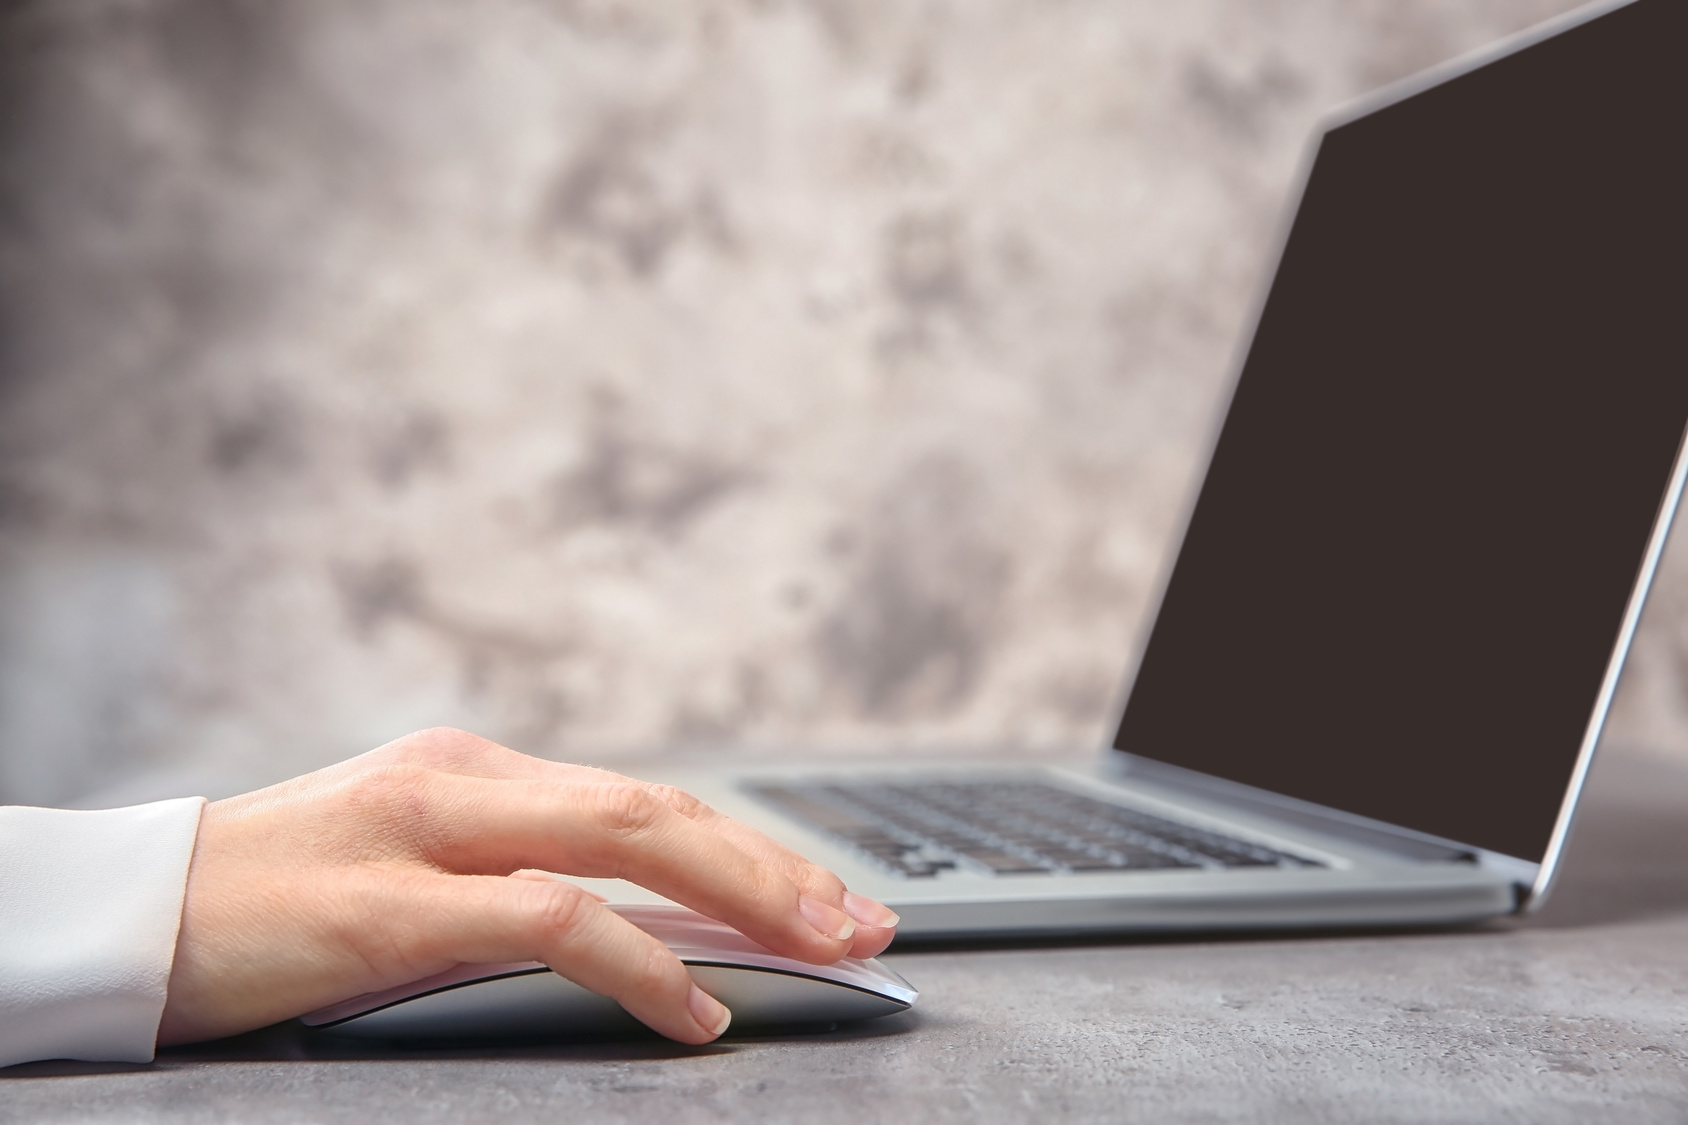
1390,633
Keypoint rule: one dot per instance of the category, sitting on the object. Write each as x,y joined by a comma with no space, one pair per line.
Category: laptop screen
1409,562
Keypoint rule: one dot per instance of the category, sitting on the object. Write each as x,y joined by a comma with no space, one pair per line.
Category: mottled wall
605,376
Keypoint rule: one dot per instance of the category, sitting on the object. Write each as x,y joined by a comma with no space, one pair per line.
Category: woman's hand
427,853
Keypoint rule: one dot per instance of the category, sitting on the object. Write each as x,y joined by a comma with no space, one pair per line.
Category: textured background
604,376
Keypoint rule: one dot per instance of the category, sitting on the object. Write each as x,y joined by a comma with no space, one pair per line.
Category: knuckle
386,786
441,747
627,809
556,908
656,968
769,886
678,799
654,971
392,809
818,880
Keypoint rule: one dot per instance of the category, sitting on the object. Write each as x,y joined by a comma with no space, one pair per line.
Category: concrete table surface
1576,1014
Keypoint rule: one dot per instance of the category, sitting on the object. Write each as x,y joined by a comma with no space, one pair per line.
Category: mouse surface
526,999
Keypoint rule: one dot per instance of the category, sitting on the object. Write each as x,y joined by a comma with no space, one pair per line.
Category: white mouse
526,999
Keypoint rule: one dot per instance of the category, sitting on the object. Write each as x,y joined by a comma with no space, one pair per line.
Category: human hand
430,852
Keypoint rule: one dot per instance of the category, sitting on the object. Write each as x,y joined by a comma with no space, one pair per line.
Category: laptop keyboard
918,829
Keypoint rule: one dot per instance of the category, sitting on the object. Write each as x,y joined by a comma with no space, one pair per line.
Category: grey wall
603,376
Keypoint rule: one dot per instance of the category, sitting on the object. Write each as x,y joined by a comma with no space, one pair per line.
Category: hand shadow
292,1041
69,1068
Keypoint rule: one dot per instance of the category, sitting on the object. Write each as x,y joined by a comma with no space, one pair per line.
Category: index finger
469,755
472,825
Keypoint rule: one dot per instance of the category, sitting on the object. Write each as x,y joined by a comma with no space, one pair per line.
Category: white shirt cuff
90,904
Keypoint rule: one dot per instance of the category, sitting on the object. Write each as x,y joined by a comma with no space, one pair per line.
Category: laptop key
1003,863
919,829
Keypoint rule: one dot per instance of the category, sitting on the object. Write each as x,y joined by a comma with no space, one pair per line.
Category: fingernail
874,915
710,1013
834,924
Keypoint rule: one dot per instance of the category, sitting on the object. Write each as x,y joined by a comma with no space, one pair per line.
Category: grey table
1577,1014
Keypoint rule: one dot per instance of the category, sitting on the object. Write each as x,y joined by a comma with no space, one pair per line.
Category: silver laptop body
1386,646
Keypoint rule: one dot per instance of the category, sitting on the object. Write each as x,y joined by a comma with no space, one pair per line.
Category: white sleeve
90,903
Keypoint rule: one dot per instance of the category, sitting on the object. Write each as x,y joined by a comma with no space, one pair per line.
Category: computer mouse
526,999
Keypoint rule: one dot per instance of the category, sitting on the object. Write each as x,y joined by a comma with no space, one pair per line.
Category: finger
482,919
546,877
459,752
478,826
876,924
454,751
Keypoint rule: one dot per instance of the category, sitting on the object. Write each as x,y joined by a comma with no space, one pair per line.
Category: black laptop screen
1431,499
